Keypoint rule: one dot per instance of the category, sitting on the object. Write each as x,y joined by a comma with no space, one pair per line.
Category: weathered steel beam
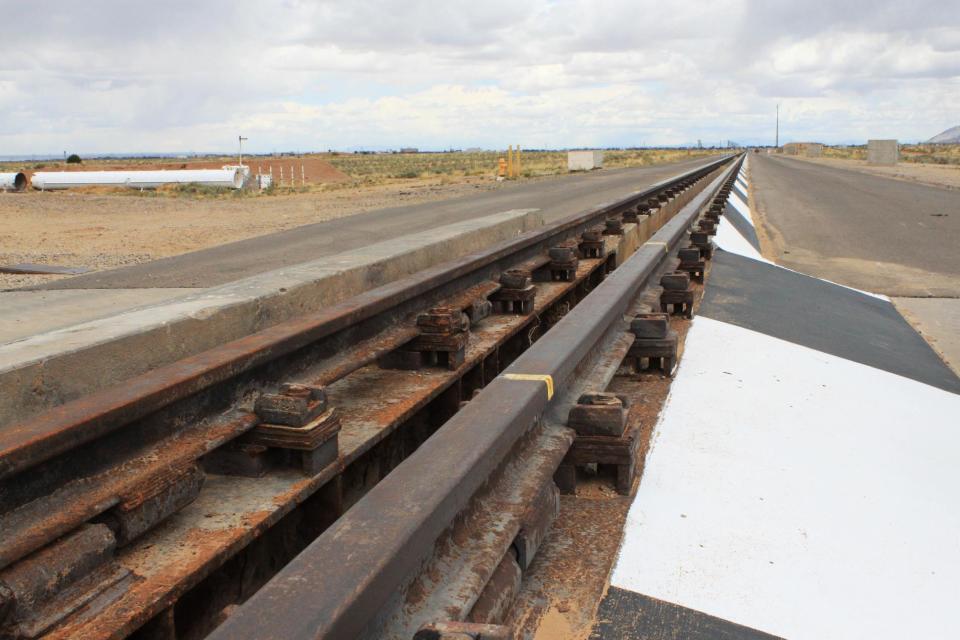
343,579
72,424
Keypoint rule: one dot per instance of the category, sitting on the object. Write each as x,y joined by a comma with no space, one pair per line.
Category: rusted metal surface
170,533
373,401
44,519
453,630
393,528
468,553
498,595
57,430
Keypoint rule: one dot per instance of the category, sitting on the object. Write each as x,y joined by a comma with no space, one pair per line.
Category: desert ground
99,228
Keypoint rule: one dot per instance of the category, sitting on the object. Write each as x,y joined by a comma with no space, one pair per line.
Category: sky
174,76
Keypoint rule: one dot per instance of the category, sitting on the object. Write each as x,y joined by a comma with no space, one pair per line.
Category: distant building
584,160
409,150
883,152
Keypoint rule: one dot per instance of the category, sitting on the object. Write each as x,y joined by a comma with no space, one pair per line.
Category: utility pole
776,143
240,139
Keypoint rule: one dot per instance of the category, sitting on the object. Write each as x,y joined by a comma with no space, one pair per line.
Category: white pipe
232,178
13,182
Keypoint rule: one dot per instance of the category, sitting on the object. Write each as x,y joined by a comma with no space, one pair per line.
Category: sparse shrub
201,190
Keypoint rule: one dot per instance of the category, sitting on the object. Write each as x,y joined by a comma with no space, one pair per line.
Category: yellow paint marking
548,380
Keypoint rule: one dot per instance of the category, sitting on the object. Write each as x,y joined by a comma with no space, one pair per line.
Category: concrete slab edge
50,368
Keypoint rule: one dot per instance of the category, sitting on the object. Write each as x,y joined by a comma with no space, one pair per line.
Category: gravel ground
104,231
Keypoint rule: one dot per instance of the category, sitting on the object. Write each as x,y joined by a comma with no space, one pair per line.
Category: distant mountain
950,136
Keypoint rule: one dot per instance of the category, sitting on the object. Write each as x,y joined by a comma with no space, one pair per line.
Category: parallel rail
380,543
121,471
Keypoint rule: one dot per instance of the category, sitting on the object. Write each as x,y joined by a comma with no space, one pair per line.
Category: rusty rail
65,427
130,457
342,581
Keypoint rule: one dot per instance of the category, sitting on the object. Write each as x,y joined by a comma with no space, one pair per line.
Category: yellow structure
509,168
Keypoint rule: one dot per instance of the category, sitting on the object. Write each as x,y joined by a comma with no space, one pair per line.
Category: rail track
244,492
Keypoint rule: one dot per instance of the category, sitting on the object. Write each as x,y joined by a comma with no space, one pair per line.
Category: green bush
73,159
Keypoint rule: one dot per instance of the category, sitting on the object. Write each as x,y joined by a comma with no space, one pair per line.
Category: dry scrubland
936,165
329,171
919,153
484,163
103,228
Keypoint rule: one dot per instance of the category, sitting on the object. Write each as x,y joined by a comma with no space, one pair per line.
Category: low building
584,160
883,152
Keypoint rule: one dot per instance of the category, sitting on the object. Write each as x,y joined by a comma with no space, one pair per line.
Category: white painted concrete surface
729,239
742,207
799,493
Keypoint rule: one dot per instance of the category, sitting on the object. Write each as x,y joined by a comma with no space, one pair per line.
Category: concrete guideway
105,293
798,484
168,308
555,197
38,371
372,580
363,384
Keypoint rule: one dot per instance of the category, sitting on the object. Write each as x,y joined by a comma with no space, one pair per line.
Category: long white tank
136,179
13,182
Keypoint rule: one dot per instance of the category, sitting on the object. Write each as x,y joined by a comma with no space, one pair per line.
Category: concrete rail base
48,369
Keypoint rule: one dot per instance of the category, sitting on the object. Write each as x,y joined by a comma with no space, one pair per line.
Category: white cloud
102,76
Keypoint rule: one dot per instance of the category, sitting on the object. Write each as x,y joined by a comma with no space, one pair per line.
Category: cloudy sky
102,76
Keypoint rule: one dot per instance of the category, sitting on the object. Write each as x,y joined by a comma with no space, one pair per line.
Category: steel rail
62,428
74,485
342,580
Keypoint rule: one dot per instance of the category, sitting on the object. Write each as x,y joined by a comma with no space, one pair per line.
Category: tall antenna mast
777,142
240,139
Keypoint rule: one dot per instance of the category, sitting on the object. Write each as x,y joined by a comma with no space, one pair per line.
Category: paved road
873,233
868,232
557,197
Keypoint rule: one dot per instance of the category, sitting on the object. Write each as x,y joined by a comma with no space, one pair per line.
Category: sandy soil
937,175
104,231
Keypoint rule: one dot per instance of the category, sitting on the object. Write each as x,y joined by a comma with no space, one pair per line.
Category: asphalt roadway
872,233
556,197
878,234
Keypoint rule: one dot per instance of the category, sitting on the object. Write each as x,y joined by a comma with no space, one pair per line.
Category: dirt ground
104,228
103,231
937,175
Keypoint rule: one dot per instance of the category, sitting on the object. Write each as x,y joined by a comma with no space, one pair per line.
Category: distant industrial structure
13,181
231,177
883,152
